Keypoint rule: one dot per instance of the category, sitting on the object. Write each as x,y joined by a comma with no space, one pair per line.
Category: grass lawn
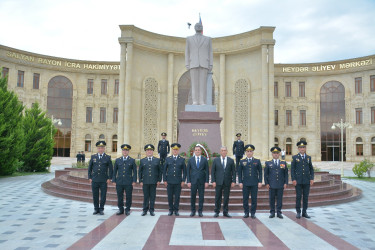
15,174
371,179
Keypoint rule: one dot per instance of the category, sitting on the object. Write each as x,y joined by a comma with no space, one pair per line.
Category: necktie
303,157
224,163
124,159
175,158
197,162
149,158
100,157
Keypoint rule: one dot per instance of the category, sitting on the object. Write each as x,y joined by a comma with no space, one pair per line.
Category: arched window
276,142
288,143
303,139
373,146
88,143
359,146
114,143
101,137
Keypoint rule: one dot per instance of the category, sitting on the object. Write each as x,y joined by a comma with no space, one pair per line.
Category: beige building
136,99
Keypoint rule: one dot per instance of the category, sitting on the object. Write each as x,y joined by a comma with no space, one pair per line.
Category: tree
11,132
38,130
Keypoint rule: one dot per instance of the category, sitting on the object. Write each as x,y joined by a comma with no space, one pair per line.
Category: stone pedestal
199,127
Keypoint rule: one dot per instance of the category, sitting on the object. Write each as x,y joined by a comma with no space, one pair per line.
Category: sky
306,31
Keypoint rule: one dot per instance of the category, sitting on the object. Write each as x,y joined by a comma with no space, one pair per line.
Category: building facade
134,100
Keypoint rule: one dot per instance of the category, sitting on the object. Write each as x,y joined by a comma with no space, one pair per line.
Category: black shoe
306,216
216,215
119,212
127,212
170,213
152,213
280,216
192,214
101,212
246,215
95,212
200,214
176,213
253,216
144,213
272,215
227,215
298,216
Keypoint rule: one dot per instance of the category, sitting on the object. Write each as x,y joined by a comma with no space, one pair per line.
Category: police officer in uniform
163,147
250,179
238,149
83,157
302,177
276,179
79,157
125,177
174,176
150,174
100,174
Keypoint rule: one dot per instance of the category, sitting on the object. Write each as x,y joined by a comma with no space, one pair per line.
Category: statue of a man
198,60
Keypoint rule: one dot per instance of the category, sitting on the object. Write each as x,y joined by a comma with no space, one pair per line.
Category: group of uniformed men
174,171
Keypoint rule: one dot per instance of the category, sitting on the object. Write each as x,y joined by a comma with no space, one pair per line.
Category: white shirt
196,159
225,161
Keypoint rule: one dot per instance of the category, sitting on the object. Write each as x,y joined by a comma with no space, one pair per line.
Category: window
114,143
288,89
102,115
89,114
372,83
358,116
288,118
359,146
276,89
101,137
358,85
88,143
372,115
90,86
288,148
301,89
302,117
117,86
36,81
373,146
276,142
104,86
276,118
115,115
21,78
303,139
5,72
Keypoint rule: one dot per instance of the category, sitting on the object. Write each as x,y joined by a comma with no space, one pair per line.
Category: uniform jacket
100,170
125,172
197,175
174,171
276,175
302,171
150,172
198,52
163,147
250,174
238,148
223,176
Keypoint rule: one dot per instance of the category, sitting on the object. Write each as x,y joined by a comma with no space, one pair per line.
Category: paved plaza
32,219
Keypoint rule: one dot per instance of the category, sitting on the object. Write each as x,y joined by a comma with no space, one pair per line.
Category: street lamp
342,125
55,121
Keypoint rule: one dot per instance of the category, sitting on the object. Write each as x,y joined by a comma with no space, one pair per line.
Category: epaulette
243,158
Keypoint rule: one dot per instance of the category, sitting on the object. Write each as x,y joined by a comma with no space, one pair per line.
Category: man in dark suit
276,180
79,157
238,149
150,174
100,174
83,157
197,179
302,173
223,177
163,148
250,179
125,177
174,176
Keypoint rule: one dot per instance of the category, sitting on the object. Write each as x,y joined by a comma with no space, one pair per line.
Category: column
121,100
128,77
170,101
271,96
222,98
265,127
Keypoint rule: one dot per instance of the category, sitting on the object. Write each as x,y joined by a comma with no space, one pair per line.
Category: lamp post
342,125
55,121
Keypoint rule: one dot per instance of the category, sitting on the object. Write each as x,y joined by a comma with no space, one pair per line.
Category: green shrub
363,167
